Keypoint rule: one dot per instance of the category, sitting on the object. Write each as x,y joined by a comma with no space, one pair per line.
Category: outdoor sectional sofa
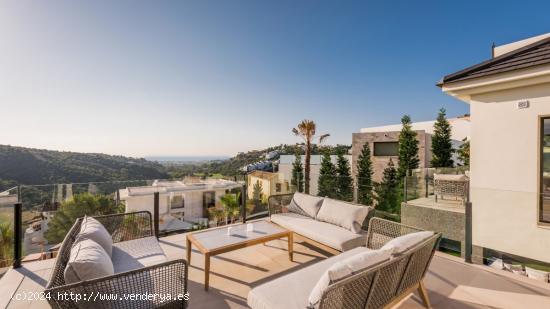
139,266
303,214
382,284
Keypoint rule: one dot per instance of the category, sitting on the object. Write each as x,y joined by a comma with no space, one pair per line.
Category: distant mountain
19,165
185,159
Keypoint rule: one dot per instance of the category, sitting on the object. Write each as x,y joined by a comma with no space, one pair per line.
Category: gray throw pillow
346,215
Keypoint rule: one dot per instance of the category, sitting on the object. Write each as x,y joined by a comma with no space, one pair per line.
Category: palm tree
230,206
306,130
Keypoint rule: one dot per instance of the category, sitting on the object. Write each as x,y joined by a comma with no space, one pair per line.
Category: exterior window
544,204
385,149
177,201
278,187
209,199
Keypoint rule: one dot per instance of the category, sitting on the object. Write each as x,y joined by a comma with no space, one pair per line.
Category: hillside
19,165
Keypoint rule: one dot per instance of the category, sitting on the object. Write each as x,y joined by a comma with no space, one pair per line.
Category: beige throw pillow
94,230
346,215
304,204
88,260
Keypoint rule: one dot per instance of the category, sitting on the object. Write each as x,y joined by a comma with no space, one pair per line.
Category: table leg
206,271
189,252
290,245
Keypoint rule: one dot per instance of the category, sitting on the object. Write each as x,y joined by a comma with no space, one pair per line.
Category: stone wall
450,223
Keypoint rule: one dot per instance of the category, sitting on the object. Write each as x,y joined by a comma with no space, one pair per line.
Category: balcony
450,282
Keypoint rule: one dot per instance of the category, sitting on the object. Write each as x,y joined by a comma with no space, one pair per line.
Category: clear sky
218,77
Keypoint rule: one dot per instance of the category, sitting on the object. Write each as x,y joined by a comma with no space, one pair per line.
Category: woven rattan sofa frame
170,278
386,284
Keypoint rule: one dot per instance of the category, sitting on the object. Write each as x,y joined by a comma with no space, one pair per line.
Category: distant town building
270,183
181,203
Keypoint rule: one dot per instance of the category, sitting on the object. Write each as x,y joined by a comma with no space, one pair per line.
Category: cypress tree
408,149
364,176
297,180
442,147
387,195
327,178
344,182
464,152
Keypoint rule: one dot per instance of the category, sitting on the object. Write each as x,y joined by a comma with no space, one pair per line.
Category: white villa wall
505,171
193,203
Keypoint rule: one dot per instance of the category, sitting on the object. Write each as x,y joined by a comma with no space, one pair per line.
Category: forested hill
19,165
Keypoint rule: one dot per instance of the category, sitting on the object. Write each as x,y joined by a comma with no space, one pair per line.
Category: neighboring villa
285,168
509,97
181,203
270,183
383,142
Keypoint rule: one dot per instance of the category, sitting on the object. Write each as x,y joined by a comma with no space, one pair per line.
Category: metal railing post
243,204
156,199
468,233
18,234
426,179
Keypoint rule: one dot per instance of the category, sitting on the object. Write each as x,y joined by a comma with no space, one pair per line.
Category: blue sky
217,77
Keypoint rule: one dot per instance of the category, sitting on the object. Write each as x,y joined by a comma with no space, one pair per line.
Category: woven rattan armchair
388,283
168,279
445,185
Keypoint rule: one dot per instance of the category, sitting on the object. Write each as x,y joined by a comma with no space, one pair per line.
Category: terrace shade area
450,282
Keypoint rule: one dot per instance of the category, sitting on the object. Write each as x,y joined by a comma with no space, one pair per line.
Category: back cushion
94,230
403,243
366,259
336,272
343,214
304,204
88,260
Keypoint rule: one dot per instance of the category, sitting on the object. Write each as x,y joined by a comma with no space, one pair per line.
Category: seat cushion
87,260
292,290
346,215
328,234
305,204
94,230
137,253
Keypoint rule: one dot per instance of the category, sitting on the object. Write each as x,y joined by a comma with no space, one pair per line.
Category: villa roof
531,55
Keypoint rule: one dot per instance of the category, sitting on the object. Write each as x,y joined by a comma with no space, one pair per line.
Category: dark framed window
278,187
209,199
544,171
385,149
177,202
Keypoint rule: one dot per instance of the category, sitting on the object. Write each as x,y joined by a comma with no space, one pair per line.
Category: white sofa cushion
94,230
343,268
346,215
292,291
367,259
88,260
403,243
305,204
137,253
328,234
334,273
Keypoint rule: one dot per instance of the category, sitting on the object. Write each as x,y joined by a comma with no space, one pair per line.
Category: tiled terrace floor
450,282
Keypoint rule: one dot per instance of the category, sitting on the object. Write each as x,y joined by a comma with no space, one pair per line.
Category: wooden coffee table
216,241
